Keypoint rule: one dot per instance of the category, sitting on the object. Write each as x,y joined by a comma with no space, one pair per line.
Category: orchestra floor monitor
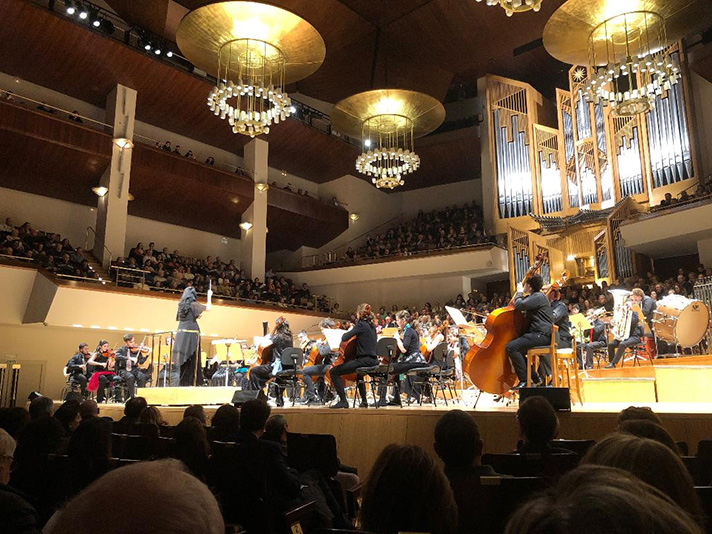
558,397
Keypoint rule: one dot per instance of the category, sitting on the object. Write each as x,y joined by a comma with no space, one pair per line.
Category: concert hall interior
366,214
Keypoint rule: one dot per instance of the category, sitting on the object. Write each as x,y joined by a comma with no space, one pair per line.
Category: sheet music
262,341
457,316
333,337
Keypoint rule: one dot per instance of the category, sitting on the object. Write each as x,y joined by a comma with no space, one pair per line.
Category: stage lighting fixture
71,10
83,13
147,46
96,22
157,51
169,54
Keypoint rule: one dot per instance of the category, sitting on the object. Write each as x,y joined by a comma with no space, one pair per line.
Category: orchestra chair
71,387
382,374
535,353
563,364
638,352
291,372
436,376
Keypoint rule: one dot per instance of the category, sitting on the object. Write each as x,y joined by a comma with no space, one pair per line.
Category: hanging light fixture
515,6
625,46
253,50
388,121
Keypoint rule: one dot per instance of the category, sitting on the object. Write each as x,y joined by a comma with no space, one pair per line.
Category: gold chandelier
388,121
625,46
515,6
253,50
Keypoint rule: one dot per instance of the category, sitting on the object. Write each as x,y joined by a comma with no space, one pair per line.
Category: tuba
622,314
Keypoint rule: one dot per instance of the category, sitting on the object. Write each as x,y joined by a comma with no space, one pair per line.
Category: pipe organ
590,159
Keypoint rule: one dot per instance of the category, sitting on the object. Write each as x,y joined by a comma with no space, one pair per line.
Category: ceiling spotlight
71,10
100,191
83,13
147,46
367,142
169,54
246,226
96,22
292,109
157,51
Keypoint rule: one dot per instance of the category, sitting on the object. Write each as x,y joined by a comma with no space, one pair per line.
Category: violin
110,359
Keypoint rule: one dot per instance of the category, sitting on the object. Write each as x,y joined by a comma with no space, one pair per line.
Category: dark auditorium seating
313,451
579,446
549,466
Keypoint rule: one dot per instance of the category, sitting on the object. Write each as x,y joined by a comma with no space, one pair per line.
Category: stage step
187,395
619,389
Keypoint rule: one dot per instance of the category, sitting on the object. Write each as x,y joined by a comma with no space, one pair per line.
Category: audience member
16,514
40,407
601,500
637,413
538,425
192,446
459,445
89,446
13,420
225,424
276,431
650,430
637,455
132,412
407,492
186,504
151,416
197,411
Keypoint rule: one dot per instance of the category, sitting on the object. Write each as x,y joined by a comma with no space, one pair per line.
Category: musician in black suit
365,333
309,373
599,340
616,348
538,310
77,367
281,339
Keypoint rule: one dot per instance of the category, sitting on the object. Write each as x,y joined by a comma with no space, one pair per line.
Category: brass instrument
597,313
622,314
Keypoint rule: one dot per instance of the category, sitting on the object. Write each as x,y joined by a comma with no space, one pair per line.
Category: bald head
187,505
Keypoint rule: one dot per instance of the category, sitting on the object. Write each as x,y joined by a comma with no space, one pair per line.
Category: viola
488,365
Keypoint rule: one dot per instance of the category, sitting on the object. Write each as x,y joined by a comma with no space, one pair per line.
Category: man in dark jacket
77,367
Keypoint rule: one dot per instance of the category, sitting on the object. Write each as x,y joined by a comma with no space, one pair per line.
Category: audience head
88,409
197,411
407,492
457,439
647,429
276,429
192,444
187,506
227,419
638,412
601,500
254,415
12,420
538,422
134,407
68,415
151,416
41,407
7,452
638,456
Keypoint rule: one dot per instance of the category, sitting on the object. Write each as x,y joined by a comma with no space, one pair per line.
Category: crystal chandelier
394,155
515,6
253,50
388,121
259,98
632,47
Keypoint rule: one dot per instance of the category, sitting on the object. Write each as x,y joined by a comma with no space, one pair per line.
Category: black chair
705,495
683,448
139,447
381,374
548,466
300,518
291,371
579,446
498,497
353,502
166,448
432,376
313,451
118,442
166,431
704,453
697,469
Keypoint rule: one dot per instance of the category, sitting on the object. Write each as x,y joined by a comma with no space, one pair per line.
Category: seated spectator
276,431
197,411
395,499
538,425
41,407
68,416
74,116
187,506
176,150
16,514
650,430
601,500
132,412
167,146
7,226
192,446
89,447
638,412
459,446
637,455
225,424
13,420
190,155
151,416
210,161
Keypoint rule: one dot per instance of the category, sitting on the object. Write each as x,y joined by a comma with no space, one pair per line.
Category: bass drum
680,320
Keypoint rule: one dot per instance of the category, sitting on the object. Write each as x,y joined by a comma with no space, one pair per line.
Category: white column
254,240
112,208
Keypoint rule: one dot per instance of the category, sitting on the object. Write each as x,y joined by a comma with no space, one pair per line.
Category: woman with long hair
281,338
185,367
365,333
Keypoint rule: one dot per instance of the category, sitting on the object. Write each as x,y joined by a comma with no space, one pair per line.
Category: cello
487,365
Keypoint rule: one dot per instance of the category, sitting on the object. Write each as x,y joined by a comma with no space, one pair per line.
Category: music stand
227,342
580,321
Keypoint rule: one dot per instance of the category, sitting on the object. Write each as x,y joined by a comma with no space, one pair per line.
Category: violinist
102,363
530,300
77,367
127,361
261,374
365,333
326,356
409,358
435,335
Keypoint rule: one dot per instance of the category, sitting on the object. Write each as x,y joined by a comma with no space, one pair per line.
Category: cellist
281,338
365,333
535,304
327,355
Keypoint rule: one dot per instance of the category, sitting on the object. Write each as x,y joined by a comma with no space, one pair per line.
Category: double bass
488,365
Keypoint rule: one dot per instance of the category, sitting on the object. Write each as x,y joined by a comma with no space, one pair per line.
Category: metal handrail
81,278
13,95
86,243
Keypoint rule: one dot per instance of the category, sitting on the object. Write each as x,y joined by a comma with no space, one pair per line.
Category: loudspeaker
559,398
241,396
